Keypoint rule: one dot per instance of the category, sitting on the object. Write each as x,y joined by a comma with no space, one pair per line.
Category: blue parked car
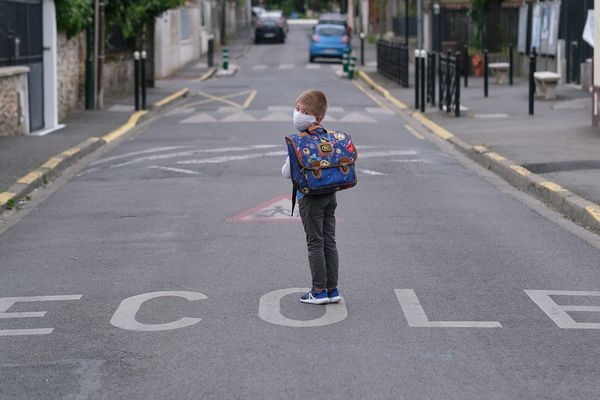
328,40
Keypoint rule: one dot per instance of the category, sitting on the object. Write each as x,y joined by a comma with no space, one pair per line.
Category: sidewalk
557,143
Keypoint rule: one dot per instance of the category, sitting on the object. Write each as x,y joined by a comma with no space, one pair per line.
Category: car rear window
330,31
269,22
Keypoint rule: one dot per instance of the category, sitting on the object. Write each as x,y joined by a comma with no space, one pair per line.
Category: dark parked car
270,27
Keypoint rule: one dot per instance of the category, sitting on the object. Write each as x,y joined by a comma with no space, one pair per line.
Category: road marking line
313,66
369,171
415,160
52,163
358,118
180,93
495,156
239,116
5,197
120,131
183,171
432,126
286,109
259,66
286,66
250,99
137,153
369,95
206,75
481,149
414,132
520,170
199,119
385,153
224,159
553,186
30,178
594,211
222,99
382,90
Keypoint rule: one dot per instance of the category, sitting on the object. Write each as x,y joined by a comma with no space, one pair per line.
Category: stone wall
14,107
117,76
71,73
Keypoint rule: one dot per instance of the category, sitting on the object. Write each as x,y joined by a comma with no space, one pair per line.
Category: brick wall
71,73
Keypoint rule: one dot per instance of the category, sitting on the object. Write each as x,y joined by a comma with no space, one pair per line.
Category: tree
132,16
73,16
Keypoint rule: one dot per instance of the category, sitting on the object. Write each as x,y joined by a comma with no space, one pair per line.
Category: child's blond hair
315,101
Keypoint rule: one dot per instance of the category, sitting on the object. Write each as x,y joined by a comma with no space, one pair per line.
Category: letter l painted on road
416,317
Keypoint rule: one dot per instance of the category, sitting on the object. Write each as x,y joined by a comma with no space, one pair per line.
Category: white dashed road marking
259,66
170,169
286,66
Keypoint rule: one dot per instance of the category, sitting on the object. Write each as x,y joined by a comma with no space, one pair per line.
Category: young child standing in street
321,151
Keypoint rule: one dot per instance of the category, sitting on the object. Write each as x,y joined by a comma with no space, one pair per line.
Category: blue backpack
321,161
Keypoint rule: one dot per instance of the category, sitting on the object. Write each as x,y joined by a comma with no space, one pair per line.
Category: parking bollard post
485,73
510,64
136,79
422,75
143,55
352,67
467,66
345,56
210,57
532,68
225,58
417,78
362,49
457,85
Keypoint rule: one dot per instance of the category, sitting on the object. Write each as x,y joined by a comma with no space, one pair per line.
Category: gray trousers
318,217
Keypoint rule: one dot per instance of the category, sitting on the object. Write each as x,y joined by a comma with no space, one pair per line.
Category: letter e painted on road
124,316
7,302
416,317
269,310
558,313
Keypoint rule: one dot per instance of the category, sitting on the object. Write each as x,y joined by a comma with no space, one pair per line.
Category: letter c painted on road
124,317
269,310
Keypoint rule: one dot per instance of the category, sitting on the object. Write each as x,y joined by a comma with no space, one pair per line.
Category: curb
573,206
57,163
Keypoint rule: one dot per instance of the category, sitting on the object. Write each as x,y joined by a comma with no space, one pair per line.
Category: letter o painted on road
269,310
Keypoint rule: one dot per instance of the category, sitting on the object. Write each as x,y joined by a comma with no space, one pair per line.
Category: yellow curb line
71,152
206,75
594,211
120,131
481,149
432,126
552,186
180,93
30,178
369,95
5,197
52,162
520,170
382,90
495,156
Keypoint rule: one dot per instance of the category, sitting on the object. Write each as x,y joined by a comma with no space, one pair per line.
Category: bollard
362,49
467,66
351,68
485,73
225,58
510,64
136,79
417,78
457,85
422,74
448,83
143,78
345,60
211,53
532,68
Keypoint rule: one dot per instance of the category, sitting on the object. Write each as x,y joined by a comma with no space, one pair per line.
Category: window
185,24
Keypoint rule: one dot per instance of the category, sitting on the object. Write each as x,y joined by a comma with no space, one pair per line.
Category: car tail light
316,38
344,39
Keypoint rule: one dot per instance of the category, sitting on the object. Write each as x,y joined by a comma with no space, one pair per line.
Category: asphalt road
181,268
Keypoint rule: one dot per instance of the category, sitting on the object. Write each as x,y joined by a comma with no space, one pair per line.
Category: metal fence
392,61
449,82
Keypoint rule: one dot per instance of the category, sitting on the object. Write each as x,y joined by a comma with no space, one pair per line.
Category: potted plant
477,15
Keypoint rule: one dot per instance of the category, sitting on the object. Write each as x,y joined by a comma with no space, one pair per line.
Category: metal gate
577,50
21,44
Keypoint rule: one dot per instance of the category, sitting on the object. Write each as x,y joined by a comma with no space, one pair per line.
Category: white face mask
302,121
